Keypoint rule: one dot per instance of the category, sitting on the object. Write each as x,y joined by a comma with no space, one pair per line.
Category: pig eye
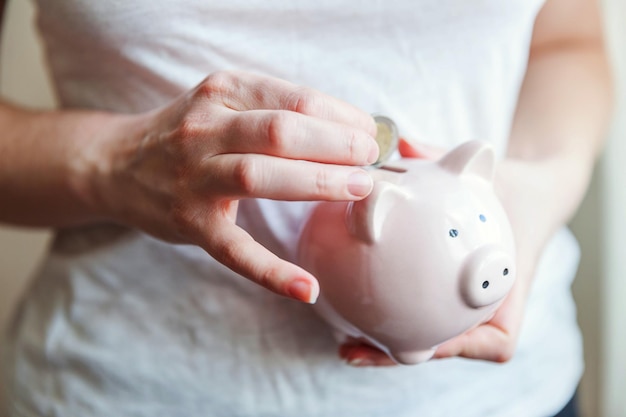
485,284
453,233
505,272
482,218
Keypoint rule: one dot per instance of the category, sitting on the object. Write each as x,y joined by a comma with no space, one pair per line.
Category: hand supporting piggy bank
426,256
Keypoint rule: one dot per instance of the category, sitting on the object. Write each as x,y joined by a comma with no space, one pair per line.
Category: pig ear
365,218
473,158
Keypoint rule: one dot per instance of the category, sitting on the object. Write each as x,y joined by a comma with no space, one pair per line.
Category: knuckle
228,253
306,101
354,148
322,183
216,84
267,276
278,125
245,175
180,141
187,128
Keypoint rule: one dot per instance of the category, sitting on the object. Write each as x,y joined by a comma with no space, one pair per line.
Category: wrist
525,192
540,197
95,163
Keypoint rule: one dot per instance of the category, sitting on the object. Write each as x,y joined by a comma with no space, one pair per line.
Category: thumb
236,249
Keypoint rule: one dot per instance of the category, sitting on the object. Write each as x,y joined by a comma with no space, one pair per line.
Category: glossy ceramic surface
427,256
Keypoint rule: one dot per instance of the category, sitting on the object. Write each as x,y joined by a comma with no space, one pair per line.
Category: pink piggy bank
426,256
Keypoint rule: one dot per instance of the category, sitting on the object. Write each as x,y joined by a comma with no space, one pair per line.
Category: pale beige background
22,79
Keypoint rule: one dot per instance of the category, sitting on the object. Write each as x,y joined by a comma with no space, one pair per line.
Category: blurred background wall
611,224
22,80
600,288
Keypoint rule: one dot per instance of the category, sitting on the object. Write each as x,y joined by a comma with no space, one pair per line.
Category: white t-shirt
117,323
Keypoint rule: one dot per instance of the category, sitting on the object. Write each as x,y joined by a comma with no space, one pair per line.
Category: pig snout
487,275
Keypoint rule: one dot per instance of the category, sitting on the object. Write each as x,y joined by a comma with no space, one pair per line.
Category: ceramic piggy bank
426,256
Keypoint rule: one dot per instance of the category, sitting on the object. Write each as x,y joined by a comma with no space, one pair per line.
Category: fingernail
373,155
360,361
303,290
360,184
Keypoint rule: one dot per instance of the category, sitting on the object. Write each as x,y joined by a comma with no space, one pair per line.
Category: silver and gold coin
387,138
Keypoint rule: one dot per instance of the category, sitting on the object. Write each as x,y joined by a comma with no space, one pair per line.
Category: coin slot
393,169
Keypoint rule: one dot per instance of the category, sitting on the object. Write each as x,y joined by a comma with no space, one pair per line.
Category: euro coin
386,137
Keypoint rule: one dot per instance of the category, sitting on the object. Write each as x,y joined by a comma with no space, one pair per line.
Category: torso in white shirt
120,324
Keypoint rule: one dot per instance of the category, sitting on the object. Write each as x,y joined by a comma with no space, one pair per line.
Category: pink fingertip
419,150
407,149
303,290
360,184
373,154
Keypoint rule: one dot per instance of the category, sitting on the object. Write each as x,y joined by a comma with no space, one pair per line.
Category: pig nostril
505,272
485,284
